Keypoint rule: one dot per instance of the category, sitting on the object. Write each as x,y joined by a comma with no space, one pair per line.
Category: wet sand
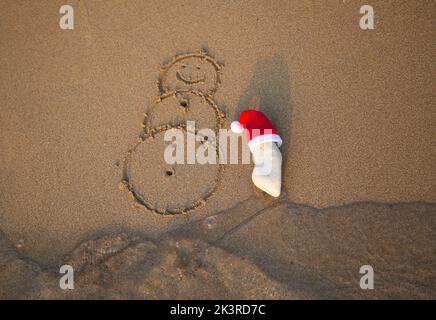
279,251
355,109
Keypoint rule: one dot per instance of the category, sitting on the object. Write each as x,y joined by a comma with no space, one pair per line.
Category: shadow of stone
271,84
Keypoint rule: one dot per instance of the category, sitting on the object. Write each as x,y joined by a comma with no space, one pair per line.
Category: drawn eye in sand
191,71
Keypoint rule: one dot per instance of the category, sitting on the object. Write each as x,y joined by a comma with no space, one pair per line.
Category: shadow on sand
271,85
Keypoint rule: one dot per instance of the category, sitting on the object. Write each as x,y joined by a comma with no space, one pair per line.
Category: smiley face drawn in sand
190,75
191,71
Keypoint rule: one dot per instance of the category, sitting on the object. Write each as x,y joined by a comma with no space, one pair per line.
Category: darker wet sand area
306,253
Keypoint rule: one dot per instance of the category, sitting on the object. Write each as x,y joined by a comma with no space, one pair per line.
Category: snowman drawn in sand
186,87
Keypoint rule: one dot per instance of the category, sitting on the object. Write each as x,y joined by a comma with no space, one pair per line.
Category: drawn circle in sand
178,107
163,188
191,71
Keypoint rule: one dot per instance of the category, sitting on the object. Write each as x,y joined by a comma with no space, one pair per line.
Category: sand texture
82,175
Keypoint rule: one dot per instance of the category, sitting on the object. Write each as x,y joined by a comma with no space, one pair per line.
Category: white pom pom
237,127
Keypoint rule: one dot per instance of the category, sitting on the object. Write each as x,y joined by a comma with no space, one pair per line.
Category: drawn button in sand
191,71
167,188
176,108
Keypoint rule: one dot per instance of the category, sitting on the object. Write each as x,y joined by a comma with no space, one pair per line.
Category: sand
356,113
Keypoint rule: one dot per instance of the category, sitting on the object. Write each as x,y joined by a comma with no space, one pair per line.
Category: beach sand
355,110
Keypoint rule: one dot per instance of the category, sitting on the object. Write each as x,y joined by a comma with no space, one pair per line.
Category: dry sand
355,109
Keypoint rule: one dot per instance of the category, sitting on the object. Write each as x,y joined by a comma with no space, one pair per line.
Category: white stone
267,172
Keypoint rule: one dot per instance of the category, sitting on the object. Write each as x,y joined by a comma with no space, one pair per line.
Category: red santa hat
258,127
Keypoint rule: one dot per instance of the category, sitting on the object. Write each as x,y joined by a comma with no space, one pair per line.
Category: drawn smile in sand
191,71
188,79
185,87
